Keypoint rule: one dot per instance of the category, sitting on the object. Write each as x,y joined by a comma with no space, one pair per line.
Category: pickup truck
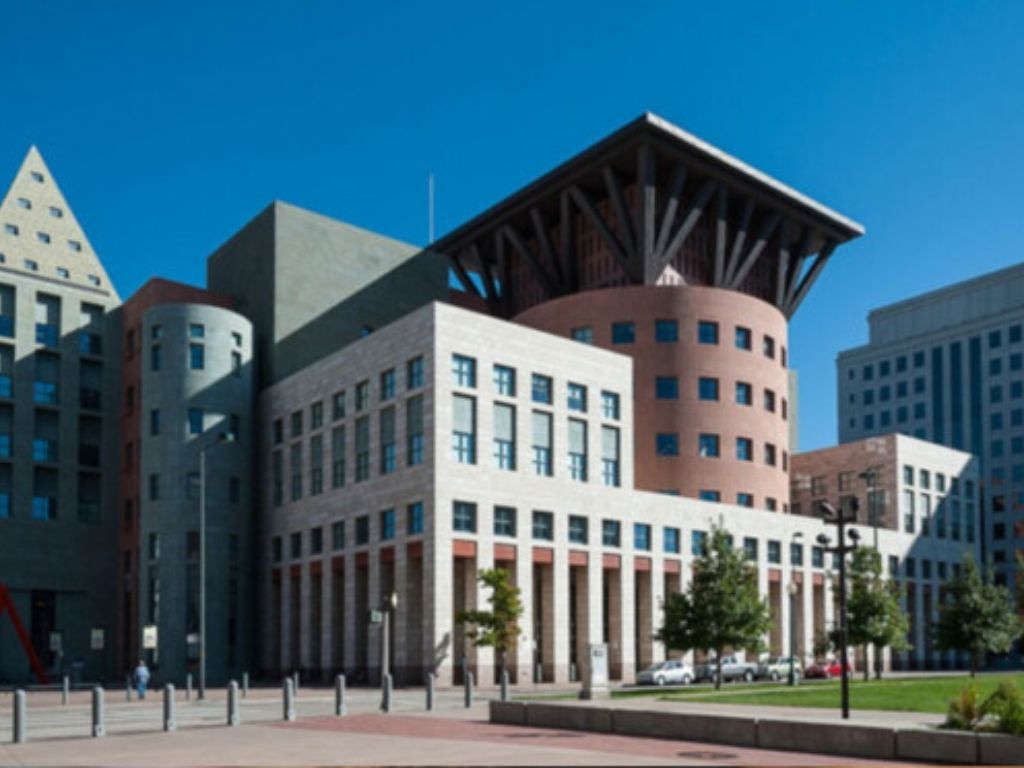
732,669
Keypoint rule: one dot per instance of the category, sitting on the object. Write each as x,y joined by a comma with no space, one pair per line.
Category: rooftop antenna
430,209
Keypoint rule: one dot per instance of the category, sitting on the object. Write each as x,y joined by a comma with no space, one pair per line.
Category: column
400,630
523,570
304,662
593,581
658,596
326,661
919,627
806,639
643,615
352,621
485,661
628,587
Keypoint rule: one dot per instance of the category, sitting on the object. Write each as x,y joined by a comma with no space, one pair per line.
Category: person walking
141,679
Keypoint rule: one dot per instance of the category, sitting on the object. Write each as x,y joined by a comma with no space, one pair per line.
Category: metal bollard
98,726
295,681
128,688
385,693
188,686
233,718
245,685
431,679
469,690
504,685
289,699
20,725
339,696
170,722
65,689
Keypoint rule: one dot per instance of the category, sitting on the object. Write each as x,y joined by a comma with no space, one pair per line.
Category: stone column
352,621
305,662
628,582
523,570
560,614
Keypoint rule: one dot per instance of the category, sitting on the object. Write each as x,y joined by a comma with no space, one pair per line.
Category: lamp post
791,590
222,437
840,519
389,604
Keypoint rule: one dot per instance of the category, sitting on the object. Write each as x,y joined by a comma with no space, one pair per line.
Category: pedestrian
141,679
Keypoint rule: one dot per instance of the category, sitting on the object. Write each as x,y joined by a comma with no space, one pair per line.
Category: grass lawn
928,694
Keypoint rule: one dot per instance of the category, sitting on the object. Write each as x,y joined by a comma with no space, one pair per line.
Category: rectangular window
610,405
387,384
611,533
698,541
316,541
338,457
707,446
154,422
295,462
769,347
707,388
642,537
154,487
464,517
195,421
362,448
296,545
316,415
414,373
583,334
196,357
745,499
196,330
387,524
316,465
542,439
750,549
610,457
414,518
769,400
666,444
578,529
744,338
362,530
388,455
744,449
577,398
908,511
414,430
671,540
709,495
504,380
464,429
796,554
774,552
505,521
362,395
541,389
463,371
707,332
277,477
578,450
744,393
338,405
338,535
155,357
504,436
666,331
623,333
544,526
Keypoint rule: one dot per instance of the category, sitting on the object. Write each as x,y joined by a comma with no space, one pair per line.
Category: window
750,549
362,395
769,454
43,237
10,229
583,334
610,405
743,338
769,400
707,388
415,440
387,524
316,541
414,518
388,456
154,487
709,495
707,446
338,405
316,465
707,332
544,526
464,429
338,457
578,450
610,456
24,202
541,388
666,388
387,384
362,530
641,536
666,444
577,398
698,541
796,553
316,415
908,511
196,357
463,371
744,393
36,176
744,449
362,448
63,273
817,557
666,331
623,333
196,330
542,438
276,549
338,535
154,422
670,539
296,424
505,521
769,347
414,373
504,380
774,551
611,533
464,516
195,421
295,465
995,339
578,529
745,499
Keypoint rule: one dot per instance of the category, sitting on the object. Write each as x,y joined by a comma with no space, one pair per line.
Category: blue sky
169,125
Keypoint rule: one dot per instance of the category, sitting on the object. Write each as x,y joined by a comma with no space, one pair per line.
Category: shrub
1006,707
964,713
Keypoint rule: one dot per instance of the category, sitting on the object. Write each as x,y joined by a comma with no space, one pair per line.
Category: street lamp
840,519
389,604
791,590
222,437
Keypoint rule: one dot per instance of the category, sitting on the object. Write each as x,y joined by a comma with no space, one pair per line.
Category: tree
873,613
721,607
497,628
977,616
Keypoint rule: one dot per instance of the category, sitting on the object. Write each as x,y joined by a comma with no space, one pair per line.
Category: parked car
732,669
826,669
777,667
670,672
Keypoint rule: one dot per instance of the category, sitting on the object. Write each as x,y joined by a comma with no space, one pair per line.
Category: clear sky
170,124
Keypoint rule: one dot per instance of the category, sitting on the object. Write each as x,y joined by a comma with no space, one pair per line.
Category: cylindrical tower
710,385
196,398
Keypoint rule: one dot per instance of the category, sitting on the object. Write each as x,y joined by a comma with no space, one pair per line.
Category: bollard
431,678
538,673
504,685
98,727
233,718
469,690
245,685
295,681
339,696
170,723
385,693
65,689
188,686
572,674
128,688
20,714
289,699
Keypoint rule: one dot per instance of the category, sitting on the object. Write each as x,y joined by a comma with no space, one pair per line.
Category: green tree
976,617
873,613
497,628
721,607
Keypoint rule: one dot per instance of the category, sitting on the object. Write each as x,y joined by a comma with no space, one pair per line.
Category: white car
670,672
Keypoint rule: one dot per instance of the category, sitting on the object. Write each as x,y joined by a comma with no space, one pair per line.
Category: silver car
670,672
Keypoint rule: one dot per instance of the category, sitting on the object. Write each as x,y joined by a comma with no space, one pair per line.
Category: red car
827,669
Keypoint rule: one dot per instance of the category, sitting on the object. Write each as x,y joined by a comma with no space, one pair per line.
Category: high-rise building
59,374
